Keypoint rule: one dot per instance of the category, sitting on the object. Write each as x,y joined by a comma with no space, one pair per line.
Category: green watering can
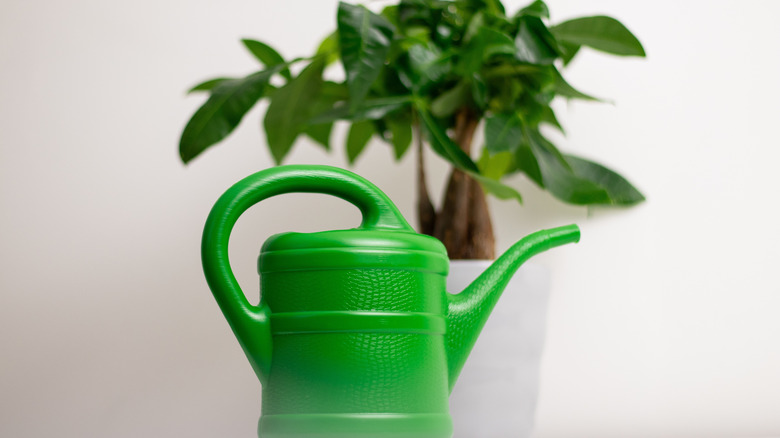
355,334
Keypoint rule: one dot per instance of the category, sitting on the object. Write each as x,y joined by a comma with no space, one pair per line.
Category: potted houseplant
430,73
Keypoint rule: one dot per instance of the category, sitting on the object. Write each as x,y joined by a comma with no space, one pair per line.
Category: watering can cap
353,249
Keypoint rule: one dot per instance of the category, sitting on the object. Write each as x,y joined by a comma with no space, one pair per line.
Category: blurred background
663,321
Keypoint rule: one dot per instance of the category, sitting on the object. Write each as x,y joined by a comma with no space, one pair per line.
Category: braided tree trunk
463,222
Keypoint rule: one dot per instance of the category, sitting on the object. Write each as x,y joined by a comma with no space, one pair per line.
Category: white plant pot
495,395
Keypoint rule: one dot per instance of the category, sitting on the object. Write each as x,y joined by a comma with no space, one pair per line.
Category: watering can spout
468,311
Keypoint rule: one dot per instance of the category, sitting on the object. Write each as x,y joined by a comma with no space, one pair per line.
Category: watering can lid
354,248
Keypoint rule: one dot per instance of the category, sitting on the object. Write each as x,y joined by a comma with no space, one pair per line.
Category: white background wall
663,321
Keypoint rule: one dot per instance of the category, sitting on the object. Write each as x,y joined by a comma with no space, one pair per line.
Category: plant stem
463,223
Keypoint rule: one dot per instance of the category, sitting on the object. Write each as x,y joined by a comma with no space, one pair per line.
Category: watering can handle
251,323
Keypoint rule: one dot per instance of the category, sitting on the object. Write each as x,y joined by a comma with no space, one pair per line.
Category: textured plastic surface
355,334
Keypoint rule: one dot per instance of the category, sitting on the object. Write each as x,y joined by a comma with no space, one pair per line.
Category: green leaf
507,70
562,88
448,102
503,132
526,162
492,167
620,191
495,42
207,85
495,166
579,181
561,181
214,120
266,55
487,43
572,179
568,51
401,131
536,9
566,186
329,48
548,116
320,133
428,65
539,142
497,188
495,7
535,44
415,35
601,33
330,93
391,14
412,12
364,41
477,22
357,139
291,108
443,144
479,91
370,109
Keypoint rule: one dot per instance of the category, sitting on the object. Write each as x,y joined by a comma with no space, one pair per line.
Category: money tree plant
429,73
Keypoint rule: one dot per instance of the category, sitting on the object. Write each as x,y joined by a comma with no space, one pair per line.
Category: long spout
469,310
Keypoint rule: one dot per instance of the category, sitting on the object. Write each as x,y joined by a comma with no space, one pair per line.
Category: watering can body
355,334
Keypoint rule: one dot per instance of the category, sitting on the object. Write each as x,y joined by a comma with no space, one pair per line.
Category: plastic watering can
355,334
